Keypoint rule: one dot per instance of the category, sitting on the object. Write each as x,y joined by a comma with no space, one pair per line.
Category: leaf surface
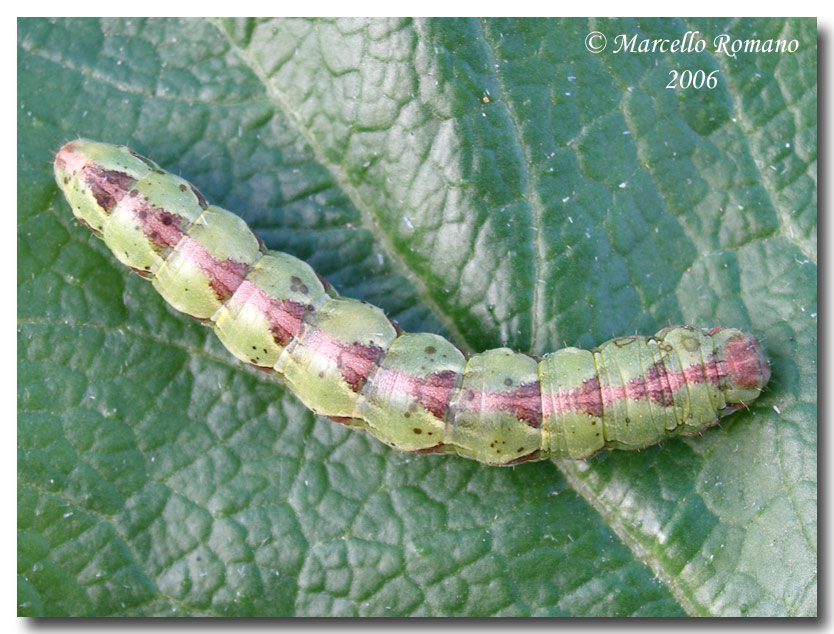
488,180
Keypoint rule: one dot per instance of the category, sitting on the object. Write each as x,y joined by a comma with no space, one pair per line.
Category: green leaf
489,180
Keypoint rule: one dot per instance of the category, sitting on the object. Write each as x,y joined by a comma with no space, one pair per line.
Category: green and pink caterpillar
415,392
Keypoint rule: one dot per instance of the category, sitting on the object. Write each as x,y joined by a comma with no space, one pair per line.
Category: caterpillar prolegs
416,392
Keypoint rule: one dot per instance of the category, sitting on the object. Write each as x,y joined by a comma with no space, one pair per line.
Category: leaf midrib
342,180
608,514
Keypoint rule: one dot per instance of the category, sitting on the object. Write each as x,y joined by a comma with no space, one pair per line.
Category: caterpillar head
743,366
94,176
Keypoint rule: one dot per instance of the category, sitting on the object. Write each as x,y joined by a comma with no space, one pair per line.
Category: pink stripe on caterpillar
587,399
524,402
431,391
668,385
658,385
225,276
652,384
108,186
283,316
355,361
162,227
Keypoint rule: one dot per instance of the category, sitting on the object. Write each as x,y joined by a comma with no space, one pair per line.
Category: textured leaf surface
488,180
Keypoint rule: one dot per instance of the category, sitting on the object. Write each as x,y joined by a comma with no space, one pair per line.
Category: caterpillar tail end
94,176
69,162
745,367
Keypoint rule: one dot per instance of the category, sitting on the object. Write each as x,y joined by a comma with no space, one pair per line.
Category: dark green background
490,180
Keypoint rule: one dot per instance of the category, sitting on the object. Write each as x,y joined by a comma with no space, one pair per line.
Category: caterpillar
346,360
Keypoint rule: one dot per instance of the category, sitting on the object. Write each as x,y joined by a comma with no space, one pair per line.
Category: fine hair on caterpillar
416,392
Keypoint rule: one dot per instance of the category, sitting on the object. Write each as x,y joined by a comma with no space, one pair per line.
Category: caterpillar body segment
416,392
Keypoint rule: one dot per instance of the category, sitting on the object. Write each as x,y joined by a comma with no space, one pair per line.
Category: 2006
688,79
